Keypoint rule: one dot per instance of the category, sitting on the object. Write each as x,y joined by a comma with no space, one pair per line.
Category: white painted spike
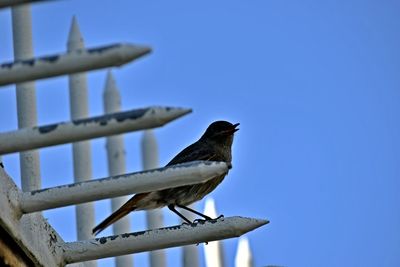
111,95
88,128
116,162
243,256
75,39
71,62
213,251
27,117
173,236
155,217
111,85
26,95
81,151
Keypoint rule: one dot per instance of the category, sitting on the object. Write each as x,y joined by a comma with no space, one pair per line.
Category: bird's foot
201,221
219,217
205,243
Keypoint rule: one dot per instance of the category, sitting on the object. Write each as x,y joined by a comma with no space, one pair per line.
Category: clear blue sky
314,84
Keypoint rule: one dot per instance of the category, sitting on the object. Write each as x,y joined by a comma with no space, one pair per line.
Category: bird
214,145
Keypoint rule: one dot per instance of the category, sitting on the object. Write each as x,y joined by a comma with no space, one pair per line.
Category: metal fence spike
72,62
145,181
84,129
159,238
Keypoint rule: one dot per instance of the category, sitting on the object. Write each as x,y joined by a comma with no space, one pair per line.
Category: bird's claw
205,243
219,217
209,219
199,221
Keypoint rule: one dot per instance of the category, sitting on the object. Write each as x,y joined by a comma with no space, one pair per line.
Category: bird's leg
195,212
172,208
205,243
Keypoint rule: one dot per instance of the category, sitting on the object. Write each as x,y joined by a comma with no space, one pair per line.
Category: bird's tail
125,209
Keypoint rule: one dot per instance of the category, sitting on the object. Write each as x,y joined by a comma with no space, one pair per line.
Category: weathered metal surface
72,62
83,129
35,237
159,238
145,181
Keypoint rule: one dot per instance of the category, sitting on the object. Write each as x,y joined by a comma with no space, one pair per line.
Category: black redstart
214,145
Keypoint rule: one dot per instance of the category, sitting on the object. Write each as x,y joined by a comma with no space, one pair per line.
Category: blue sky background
314,84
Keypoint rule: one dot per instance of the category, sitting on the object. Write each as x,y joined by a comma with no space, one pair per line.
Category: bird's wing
194,152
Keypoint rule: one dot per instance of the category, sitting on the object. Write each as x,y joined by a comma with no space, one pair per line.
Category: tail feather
110,220
124,210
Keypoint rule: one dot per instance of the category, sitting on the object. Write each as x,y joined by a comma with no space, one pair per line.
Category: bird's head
220,131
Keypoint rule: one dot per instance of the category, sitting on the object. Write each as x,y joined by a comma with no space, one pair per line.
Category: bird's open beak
234,127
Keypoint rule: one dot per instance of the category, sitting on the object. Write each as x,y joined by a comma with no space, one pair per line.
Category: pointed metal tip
142,50
110,82
173,236
185,111
245,224
167,114
258,222
75,39
261,222
179,112
136,51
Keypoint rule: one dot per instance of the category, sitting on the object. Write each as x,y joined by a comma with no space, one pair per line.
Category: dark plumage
214,145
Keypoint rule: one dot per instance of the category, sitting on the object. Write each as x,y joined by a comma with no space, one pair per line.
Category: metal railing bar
68,63
84,129
167,237
139,182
